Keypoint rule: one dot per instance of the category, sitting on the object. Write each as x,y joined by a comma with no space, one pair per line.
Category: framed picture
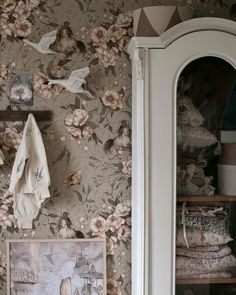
21,90
56,267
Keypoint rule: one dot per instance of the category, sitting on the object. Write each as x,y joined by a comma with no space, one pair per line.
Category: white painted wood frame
156,65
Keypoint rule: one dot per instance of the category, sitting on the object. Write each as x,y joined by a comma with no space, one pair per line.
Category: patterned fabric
197,265
197,238
223,251
216,224
184,274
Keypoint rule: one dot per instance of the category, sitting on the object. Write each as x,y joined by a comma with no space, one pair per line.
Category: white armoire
156,65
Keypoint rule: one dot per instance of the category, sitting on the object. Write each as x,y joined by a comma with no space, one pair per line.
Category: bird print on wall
58,41
121,142
74,83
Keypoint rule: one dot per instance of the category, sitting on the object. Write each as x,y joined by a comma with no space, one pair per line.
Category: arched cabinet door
157,63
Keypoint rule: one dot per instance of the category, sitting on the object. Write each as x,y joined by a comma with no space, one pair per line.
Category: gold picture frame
54,266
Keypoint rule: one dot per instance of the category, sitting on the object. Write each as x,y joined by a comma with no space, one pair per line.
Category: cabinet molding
157,63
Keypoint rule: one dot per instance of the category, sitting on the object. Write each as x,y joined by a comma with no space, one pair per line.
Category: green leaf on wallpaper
129,180
41,7
110,259
80,5
60,156
54,25
32,19
112,202
52,215
104,214
128,113
110,128
68,157
129,264
126,244
92,124
79,196
77,101
114,12
52,229
93,62
91,165
94,159
94,136
10,38
110,69
120,279
46,127
89,189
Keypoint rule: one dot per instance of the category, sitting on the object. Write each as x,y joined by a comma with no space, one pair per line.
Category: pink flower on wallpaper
78,118
13,19
123,209
116,33
3,263
111,245
32,3
98,226
22,28
106,56
123,43
112,99
114,287
74,178
42,89
10,138
125,19
4,72
110,42
124,233
5,26
127,167
75,133
99,36
114,222
8,6
7,218
87,132
21,11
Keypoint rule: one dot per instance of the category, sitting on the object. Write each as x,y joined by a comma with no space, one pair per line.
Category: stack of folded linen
202,235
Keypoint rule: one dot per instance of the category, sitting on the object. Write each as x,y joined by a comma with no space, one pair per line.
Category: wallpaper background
90,189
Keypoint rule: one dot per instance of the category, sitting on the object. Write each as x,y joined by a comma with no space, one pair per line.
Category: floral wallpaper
88,142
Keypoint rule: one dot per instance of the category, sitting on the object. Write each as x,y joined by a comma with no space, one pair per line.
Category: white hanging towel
30,177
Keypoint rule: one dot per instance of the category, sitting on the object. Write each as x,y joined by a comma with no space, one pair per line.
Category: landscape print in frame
56,267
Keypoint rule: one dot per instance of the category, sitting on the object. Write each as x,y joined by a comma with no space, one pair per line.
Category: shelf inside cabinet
204,198
206,281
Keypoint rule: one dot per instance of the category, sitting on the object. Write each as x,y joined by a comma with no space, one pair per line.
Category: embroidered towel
30,177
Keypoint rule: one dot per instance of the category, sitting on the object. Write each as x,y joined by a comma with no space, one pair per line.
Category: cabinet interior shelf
204,198
206,281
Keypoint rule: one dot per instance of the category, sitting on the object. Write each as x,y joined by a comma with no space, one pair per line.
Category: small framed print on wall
56,267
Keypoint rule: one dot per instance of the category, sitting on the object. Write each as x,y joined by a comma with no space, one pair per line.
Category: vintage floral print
88,142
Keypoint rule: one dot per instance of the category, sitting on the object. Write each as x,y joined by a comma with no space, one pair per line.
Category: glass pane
206,179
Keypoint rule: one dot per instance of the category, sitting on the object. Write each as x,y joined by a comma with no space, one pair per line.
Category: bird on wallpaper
122,141
44,43
75,82
65,41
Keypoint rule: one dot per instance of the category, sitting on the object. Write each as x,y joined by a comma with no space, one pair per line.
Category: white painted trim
186,27
138,176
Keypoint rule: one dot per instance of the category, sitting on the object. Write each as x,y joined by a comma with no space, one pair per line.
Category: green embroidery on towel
20,165
39,174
